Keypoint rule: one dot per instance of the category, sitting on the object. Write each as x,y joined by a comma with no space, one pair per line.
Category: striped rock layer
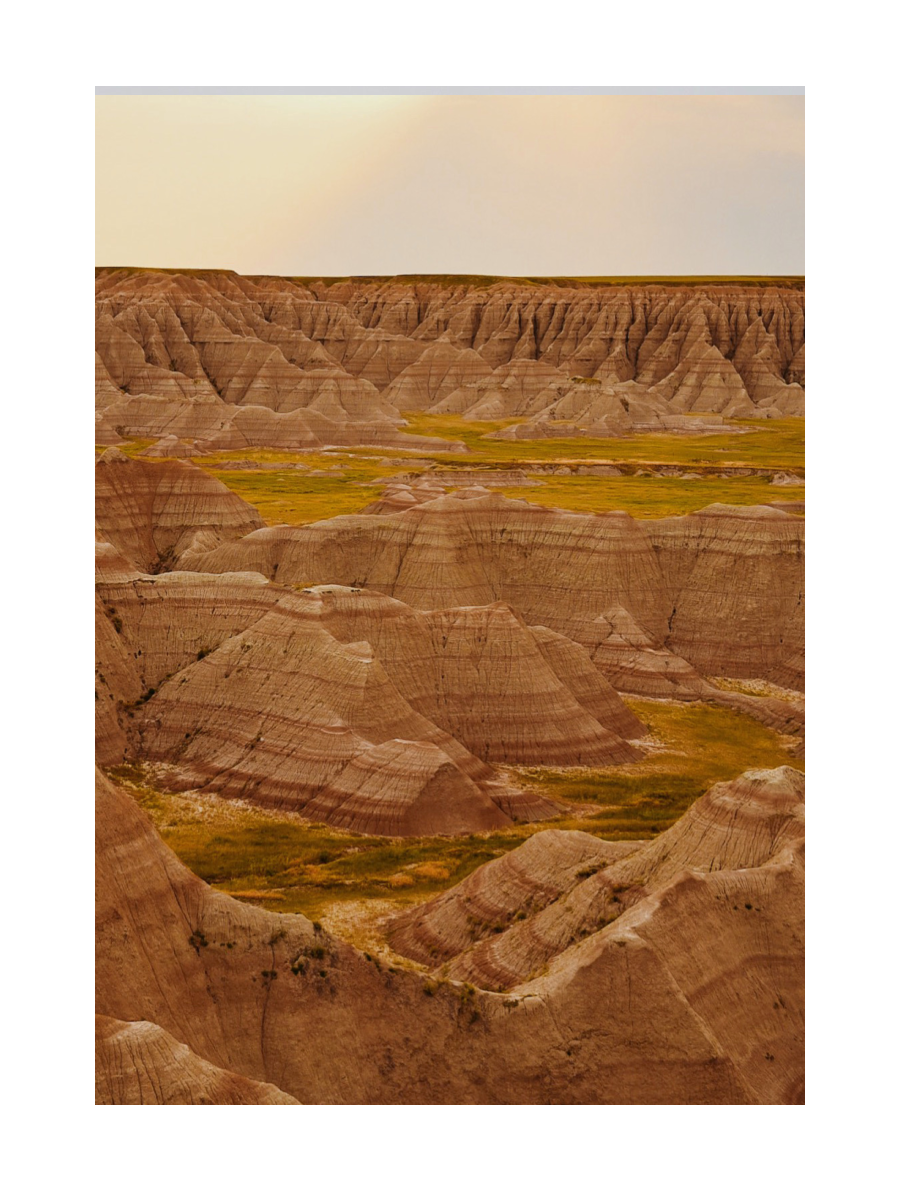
240,361
693,995
722,589
343,704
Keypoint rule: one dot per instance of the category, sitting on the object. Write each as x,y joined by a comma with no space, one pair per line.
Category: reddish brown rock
692,996
286,698
267,361
508,693
152,512
721,589
139,1063
739,826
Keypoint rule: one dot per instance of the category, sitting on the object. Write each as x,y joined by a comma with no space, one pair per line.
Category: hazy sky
501,185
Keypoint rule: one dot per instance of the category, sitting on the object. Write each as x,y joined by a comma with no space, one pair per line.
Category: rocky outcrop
505,691
498,929
290,698
691,996
280,711
139,1063
736,579
151,512
241,361
722,589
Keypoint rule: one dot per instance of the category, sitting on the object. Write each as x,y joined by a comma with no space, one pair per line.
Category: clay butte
234,361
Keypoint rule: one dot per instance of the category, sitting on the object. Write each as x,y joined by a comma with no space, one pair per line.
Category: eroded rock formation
502,924
152,512
344,704
722,588
693,994
237,361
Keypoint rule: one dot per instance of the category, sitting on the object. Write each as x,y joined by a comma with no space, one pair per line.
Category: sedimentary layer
507,920
344,704
238,361
722,589
151,512
139,1063
694,995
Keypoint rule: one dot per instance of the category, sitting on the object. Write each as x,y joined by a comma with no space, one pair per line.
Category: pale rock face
265,361
505,691
515,926
139,1063
206,995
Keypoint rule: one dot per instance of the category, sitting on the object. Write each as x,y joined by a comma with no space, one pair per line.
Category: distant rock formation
240,361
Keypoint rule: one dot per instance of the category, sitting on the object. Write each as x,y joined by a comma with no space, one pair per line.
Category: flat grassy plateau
287,492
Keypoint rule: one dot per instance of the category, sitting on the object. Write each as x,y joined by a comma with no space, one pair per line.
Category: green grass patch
297,497
700,744
286,864
778,445
646,497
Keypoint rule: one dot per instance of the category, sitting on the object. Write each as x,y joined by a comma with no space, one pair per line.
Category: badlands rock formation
238,361
500,926
693,994
139,1063
344,704
722,588
152,512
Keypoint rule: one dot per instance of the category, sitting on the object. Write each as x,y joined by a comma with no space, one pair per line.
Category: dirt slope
692,996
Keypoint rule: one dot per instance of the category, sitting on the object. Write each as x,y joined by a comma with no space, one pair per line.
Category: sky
495,185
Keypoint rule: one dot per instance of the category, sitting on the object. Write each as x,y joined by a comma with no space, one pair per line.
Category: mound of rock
491,931
152,512
692,995
289,698
722,589
139,1063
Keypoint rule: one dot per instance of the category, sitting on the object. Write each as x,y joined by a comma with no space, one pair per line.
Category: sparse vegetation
286,495
285,864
